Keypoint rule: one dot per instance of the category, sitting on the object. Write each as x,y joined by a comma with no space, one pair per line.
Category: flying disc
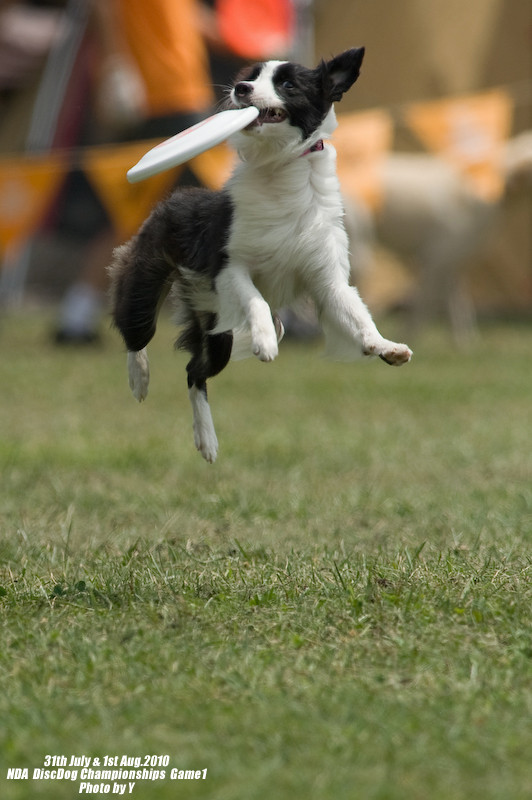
191,142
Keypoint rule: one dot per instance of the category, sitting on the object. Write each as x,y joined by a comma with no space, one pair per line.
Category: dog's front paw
139,373
265,351
391,352
264,343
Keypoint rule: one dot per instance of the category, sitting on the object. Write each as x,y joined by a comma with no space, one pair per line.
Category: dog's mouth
268,116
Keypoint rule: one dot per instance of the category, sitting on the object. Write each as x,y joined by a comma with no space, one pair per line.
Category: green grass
338,608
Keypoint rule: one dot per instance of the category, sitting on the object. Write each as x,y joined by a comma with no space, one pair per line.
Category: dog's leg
238,295
203,426
210,354
348,326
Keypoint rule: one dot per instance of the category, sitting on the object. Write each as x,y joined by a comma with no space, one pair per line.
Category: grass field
339,608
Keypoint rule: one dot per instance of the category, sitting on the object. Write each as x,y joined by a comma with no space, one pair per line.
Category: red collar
315,148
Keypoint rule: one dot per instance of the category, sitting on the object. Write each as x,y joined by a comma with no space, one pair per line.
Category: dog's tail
140,282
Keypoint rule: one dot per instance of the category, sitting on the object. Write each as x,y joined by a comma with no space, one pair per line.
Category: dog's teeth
272,114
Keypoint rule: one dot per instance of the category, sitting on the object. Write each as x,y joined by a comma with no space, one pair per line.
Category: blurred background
434,142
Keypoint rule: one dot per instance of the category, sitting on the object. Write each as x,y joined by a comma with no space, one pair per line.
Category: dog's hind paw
391,352
139,373
204,433
207,444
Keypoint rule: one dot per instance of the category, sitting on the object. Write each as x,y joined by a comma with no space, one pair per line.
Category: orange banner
28,185
469,132
127,204
362,141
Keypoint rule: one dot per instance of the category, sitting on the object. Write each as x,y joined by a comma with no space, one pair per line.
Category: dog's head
295,103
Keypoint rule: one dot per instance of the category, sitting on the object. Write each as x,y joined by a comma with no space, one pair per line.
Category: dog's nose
243,90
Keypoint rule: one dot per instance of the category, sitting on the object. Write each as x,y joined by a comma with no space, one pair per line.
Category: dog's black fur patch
300,89
183,241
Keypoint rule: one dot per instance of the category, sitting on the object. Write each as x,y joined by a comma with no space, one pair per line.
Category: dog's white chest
286,223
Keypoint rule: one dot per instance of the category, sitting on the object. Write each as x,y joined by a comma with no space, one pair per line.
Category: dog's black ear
341,72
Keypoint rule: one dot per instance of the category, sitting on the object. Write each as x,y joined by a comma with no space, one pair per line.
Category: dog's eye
288,85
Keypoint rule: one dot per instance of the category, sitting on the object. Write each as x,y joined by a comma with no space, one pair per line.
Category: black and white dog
234,257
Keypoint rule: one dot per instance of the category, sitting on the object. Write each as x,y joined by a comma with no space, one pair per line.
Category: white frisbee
191,142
